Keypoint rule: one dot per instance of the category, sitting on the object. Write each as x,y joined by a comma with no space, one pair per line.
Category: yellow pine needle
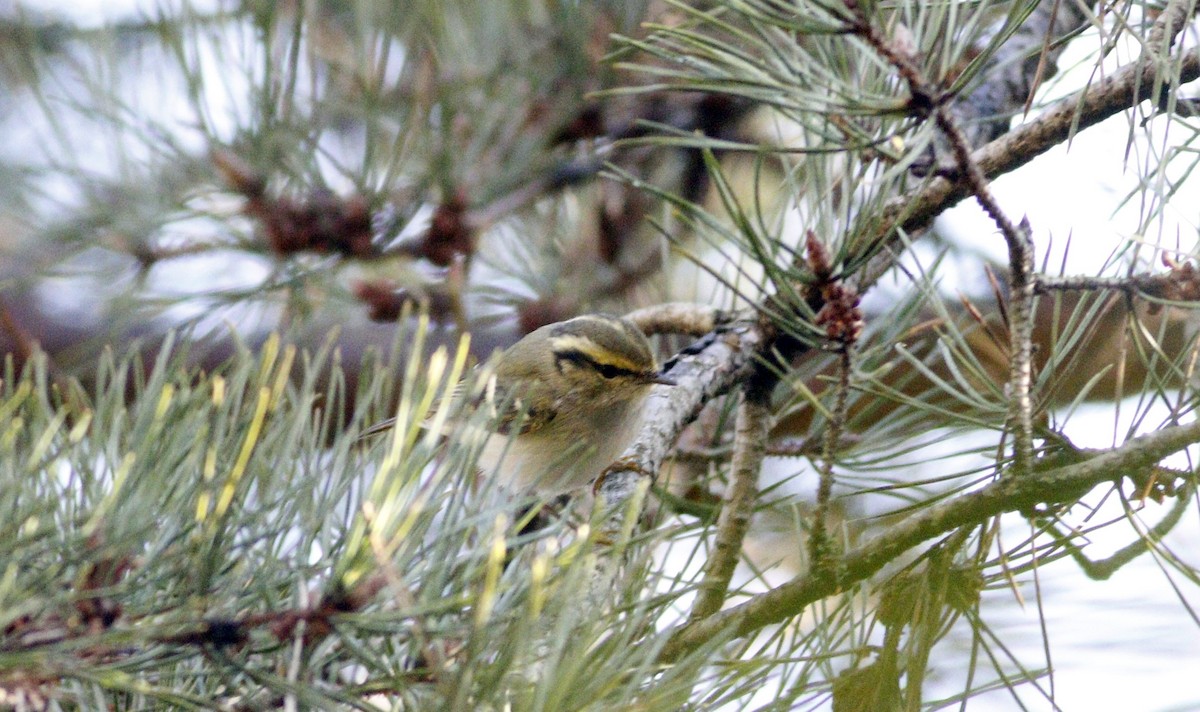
81,427
446,403
239,467
572,552
437,367
411,371
164,402
43,442
18,397
113,496
270,351
386,488
15,426
491,577
209,473
218,391
539,571
282,375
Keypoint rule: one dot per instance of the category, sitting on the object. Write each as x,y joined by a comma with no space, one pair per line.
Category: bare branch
750,442
1061,484
701,372
1120,91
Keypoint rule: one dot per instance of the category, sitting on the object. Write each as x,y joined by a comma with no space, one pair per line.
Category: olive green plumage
575,390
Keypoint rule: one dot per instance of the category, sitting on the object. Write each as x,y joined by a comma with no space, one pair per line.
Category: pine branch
1053,486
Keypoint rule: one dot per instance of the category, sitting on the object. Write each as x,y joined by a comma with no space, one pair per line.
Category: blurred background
229,170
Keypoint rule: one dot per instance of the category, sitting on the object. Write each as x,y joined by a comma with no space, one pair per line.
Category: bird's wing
511,410
504,406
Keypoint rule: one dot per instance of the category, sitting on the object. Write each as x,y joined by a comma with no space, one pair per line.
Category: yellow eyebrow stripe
588,348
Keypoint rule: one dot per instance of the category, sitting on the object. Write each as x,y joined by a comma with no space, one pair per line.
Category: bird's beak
663,380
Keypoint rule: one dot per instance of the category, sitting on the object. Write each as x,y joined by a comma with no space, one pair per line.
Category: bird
567,399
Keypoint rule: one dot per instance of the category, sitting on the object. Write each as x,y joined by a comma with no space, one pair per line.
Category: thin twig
753,424
1061,484
1103,569
819,549
1180,284
1126,88
702,372
709,369
1085,283
928,102
1021,282
678,318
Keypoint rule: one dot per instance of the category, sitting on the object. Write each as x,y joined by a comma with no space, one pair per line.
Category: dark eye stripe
575,357
582,360
609,371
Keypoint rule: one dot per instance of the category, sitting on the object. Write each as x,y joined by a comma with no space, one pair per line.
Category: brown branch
1021,283
1061,484
714,368
1180,284
718,363
753,425
1103,569
1014,71
678,318
725,359
702,372
820,551
1120,91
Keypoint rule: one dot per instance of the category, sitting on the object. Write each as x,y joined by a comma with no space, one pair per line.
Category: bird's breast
564,454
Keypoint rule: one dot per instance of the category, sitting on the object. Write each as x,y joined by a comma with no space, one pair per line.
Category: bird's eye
608,371
580,360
